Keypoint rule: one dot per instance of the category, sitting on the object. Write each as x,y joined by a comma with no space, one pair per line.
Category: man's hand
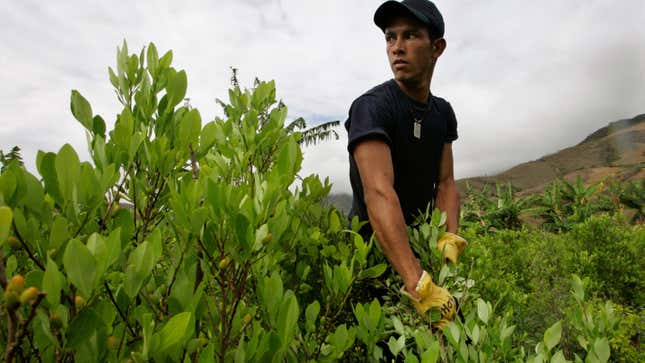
451,246
433,296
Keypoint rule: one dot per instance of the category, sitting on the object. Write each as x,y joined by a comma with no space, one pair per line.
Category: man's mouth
399,63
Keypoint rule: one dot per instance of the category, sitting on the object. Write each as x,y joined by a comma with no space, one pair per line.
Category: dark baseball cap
423,10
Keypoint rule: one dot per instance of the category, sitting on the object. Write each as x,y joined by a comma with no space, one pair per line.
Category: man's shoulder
440,100
379,92
441,103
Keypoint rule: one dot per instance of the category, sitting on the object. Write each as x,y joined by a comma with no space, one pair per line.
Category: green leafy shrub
186,241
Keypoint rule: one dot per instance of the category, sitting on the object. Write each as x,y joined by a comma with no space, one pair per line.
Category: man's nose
398,46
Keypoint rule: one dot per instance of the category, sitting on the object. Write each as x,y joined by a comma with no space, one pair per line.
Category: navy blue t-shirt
386,113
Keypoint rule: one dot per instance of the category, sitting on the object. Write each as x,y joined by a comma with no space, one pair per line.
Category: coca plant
181,240
185,241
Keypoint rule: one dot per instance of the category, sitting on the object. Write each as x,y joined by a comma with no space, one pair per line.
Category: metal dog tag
417,129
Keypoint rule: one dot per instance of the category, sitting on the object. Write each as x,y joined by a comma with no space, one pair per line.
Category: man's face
410,51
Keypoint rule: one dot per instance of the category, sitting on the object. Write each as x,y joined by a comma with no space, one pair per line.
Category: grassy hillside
615,151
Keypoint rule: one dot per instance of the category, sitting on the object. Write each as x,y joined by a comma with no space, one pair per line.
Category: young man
400,147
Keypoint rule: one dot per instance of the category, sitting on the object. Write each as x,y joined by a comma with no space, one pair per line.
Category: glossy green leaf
207,137
59,232
558,357
6,217
442,219
83,327
114,79
34,196
80,266
68,171
334,222
396,345
96,246
189,128
288,317
176,88
81,110
506,332
311,314
20,222
452,333
602,350
373,272
175,330
140,264
431,355
483,310
53,282
166,59
113,246
47,169
7,185
475,334
152,58
98,125
341,340
552,335
208,354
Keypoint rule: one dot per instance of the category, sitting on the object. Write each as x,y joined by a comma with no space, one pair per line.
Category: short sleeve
367,119
451,125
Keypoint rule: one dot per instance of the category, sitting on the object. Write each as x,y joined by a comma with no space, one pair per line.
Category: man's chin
401,77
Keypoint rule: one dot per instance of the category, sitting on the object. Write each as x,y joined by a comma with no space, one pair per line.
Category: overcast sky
525,78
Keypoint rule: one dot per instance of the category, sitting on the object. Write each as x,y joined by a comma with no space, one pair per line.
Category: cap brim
390,9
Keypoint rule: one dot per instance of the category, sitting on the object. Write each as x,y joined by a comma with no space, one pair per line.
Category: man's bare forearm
448,201
387,220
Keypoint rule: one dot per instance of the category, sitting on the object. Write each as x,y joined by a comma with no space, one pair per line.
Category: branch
172,282
24,245
11,335
125,320
32,314
103,222
193,162
3,278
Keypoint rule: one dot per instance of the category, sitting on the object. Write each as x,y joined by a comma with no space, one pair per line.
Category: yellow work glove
433,296
451,246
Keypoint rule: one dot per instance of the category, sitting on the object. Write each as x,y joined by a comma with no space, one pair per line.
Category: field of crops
182,242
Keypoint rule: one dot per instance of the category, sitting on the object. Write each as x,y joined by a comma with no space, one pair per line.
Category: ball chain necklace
416,128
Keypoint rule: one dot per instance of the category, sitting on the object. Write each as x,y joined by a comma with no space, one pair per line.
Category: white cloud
524,78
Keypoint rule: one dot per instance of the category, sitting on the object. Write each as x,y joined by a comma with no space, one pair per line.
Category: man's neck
417,91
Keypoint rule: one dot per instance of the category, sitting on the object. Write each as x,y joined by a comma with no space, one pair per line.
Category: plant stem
13,342
123,317
24,245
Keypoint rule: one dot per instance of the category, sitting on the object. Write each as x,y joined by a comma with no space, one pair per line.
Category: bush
185,241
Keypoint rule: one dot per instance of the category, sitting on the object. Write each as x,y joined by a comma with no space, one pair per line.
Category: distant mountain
615,151
342,201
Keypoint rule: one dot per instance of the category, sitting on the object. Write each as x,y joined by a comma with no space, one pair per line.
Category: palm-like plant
579,198
551,208
633,196
505,213
12,156
314,134
501,211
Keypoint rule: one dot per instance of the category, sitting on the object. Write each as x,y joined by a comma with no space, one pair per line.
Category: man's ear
438,46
